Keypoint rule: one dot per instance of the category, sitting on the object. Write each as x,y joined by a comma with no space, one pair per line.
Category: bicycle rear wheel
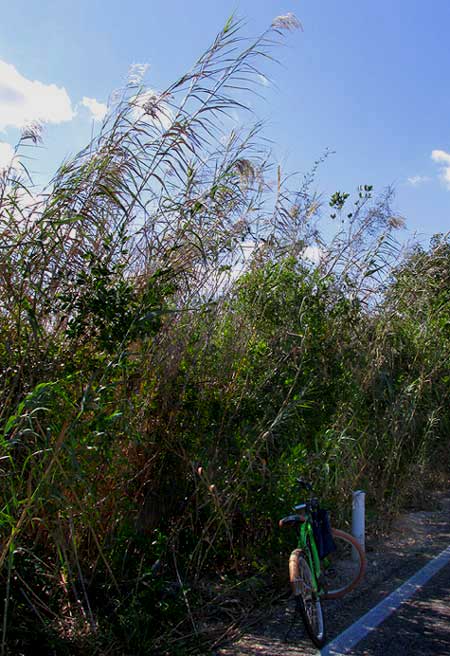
307,599
344,568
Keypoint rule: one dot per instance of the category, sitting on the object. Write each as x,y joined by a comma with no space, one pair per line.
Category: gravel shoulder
413,539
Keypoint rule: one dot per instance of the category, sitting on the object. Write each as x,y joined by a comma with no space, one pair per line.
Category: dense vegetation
171,359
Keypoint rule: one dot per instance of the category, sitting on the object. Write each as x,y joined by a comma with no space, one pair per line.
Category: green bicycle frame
307,544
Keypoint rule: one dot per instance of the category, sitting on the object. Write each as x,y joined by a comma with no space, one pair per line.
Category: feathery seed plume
287,22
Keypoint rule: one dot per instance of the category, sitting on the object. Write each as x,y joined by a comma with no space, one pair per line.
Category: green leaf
228,24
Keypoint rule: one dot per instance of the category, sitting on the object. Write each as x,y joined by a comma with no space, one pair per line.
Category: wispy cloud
264,80
6,155
23,101
98,110
443,158
417,180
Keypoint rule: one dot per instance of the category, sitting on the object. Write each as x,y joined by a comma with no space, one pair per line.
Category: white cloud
98,110
417,180
23,101
264,80
443,158
6,155
445,176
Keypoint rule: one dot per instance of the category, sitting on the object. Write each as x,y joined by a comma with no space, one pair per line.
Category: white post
358,517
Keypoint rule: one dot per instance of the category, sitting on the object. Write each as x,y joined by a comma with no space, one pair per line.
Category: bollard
358,517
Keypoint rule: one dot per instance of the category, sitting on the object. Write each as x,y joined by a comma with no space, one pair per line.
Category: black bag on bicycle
322,533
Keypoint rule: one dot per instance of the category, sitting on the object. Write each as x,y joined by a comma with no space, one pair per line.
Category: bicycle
327,563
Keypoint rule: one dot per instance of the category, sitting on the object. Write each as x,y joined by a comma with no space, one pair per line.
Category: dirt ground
413,538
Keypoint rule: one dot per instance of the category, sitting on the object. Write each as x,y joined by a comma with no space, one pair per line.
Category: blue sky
366,80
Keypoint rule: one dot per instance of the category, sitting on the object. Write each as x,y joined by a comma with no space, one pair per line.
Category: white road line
362,627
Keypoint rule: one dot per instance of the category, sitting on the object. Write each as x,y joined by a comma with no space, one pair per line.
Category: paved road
420,626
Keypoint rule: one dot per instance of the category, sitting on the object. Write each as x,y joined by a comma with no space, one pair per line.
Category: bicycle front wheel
344,568
307,599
